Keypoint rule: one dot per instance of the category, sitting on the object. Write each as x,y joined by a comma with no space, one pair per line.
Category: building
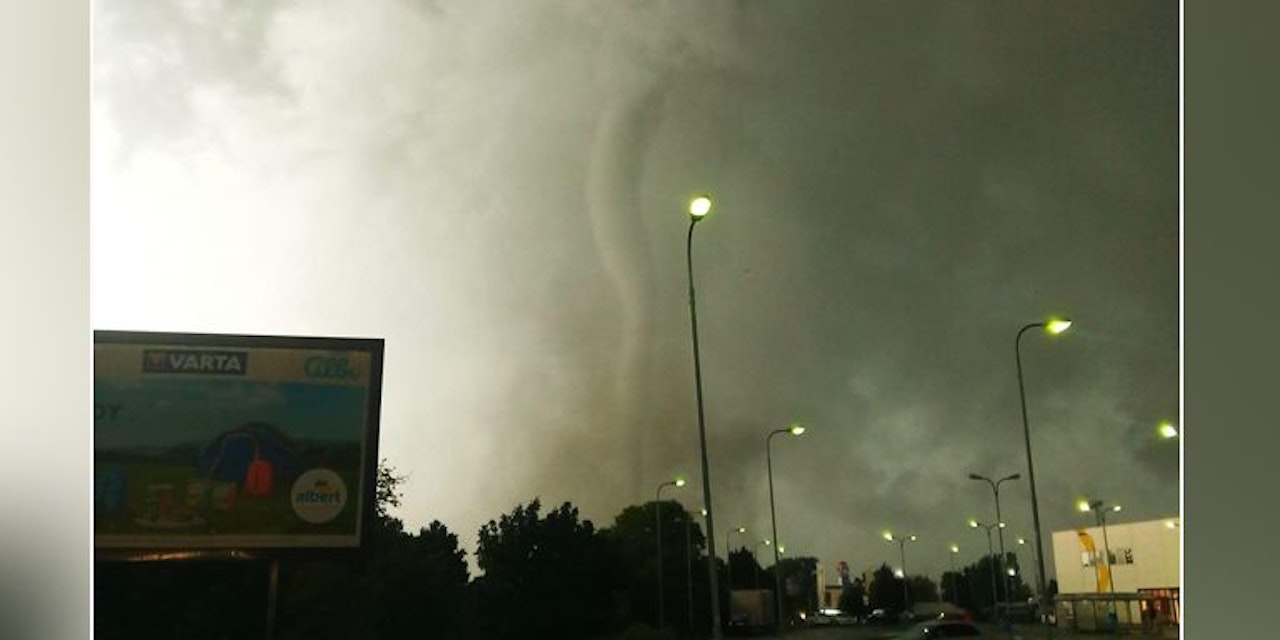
1139,586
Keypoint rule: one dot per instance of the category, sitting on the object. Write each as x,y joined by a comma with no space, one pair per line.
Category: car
880,617
832,617
941,611
930,629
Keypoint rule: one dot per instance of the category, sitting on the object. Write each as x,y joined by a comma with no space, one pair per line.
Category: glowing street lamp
995,595
1053,326
995,490
1167,430
795,429
902,550
728,554
756,558
1100,510
657,510
955,549
699,207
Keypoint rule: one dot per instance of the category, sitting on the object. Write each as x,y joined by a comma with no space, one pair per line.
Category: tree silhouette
744,570
979,595
852,598
551,576
953,587
923,589
885,591
799,584
399,585
634,537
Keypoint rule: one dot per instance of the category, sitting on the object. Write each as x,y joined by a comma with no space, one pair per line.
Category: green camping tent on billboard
206,441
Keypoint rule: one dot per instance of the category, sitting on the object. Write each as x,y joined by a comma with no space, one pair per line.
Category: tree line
543,572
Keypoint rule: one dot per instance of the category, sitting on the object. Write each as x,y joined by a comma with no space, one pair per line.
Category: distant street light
1097,507
995,490
795,430
995,596
1053,327
902,550
657,510
1168,431
955,596
728,554
756,558
699,207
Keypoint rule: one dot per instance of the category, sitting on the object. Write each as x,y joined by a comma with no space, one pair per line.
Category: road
861,632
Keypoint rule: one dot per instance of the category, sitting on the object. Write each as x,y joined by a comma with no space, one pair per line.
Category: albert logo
318,495
233,363
329,368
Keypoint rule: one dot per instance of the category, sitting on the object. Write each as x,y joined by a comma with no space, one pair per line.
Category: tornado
615,170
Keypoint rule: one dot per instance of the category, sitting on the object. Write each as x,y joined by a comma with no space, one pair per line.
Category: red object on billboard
258,479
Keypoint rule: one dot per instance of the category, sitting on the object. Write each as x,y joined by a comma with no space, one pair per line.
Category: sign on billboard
233,442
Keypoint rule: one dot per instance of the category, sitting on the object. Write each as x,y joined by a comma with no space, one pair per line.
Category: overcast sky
498,190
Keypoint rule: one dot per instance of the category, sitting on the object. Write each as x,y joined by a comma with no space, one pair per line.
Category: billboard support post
273,588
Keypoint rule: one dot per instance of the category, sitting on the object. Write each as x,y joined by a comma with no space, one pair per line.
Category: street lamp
728,553
955,596
1053,327
1167,430
795,430
657,510
699,207
1097,507
995,490
995,596
902,550
756,558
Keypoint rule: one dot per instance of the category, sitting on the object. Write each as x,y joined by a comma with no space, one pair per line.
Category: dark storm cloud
498,191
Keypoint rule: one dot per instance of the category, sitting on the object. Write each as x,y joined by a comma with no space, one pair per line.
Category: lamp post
1097,507
902,550
699,207
728,554
1100,513
990,553
1053,327
657,511
756,558
955,595
1021,541
795,430
995,490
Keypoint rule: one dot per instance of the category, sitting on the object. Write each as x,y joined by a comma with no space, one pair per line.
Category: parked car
930,629
833,617
940,611
880,616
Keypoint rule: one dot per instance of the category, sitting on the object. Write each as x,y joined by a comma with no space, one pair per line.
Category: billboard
207,441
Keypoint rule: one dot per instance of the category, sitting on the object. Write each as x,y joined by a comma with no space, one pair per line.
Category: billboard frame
369,459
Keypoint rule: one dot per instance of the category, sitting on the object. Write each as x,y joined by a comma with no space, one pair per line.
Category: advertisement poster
219,441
